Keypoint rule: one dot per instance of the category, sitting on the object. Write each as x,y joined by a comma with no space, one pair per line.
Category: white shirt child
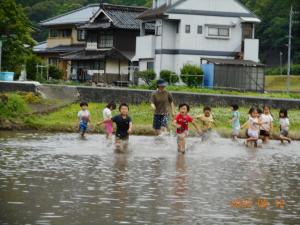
107,114
284,124
266,121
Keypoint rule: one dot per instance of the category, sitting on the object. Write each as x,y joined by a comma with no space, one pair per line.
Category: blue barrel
7,76
208,80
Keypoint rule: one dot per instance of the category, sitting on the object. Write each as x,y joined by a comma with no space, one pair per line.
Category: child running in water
182,121
107,115
253,129
84,118
284,123
124,127
267,124
235,121
207,119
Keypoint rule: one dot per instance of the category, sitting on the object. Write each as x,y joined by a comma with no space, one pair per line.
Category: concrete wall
18,86
92,94
139,96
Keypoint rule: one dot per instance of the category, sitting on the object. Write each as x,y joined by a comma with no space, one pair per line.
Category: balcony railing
91,45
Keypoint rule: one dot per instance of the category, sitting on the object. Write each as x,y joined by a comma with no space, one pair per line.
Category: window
53,61
66,33
199,29
53,33
218,32
81,35
187,29
150,65
60,32
105,40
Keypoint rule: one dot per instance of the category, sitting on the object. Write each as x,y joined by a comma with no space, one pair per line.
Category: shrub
31,98
12,105
153,85
55,73
295,70
147,76
169,76
192,81
31,62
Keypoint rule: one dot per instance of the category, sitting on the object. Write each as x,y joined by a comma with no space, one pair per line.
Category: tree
15,30
191,75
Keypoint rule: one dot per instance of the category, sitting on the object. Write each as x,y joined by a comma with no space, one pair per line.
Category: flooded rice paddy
61,179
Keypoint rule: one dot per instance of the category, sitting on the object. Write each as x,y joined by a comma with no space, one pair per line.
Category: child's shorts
264,133
252,133
235,131
284,133
83,127
183,134
108,126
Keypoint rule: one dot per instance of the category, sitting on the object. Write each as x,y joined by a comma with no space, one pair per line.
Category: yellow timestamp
262,203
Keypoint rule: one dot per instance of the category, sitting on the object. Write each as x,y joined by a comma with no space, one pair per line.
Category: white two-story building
187,31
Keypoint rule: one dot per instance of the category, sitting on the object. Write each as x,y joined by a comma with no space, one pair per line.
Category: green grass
16,109
278,83
227,92
66,119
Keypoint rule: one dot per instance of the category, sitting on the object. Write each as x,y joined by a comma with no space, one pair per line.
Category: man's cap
161,83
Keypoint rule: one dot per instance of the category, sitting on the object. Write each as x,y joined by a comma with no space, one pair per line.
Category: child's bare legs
181,142
283,138
121,144
108,136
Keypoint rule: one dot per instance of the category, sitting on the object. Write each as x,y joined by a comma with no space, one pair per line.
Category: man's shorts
160,121
83,127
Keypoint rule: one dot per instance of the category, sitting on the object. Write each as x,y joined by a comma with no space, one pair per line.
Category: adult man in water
161,103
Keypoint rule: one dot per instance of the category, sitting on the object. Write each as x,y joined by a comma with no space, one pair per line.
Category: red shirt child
183,122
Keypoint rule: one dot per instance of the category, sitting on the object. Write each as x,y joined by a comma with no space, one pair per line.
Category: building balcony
145,47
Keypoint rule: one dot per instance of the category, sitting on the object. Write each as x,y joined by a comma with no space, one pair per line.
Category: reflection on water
61,179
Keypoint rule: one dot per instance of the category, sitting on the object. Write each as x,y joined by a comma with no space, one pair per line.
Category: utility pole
289,50
280,59
0,54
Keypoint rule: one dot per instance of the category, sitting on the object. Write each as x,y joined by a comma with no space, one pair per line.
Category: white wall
213,5
112,66
195,41
145,46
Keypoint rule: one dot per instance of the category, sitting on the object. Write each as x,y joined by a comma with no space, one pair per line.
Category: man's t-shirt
122,125
183,121
162,101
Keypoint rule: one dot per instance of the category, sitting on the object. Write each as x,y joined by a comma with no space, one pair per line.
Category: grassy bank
16,112
19,113
278,83
228,92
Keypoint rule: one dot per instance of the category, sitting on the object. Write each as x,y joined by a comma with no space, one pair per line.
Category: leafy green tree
191,75
15,31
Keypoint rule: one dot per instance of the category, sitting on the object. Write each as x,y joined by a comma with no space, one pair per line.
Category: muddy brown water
61,179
